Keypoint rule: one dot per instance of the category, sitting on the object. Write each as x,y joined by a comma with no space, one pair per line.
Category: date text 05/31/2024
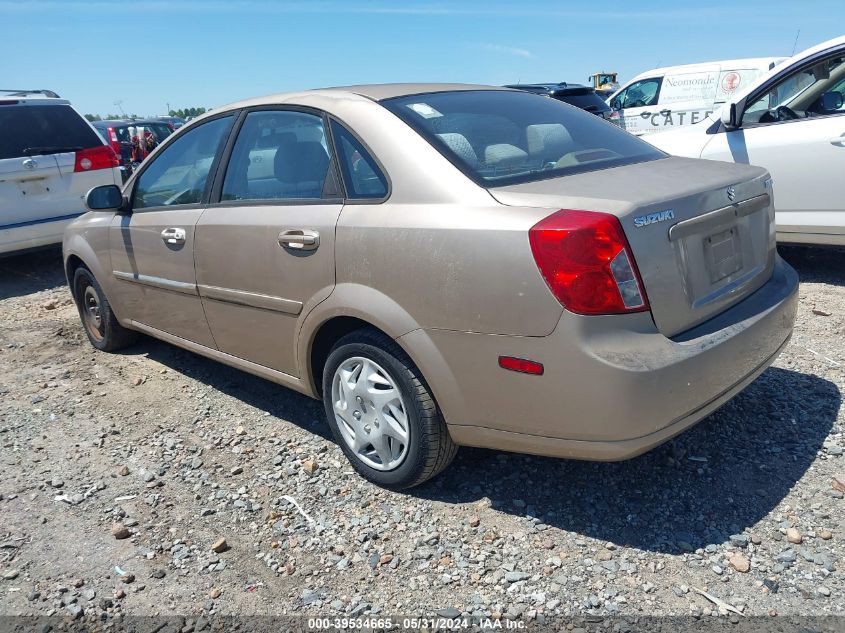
428,623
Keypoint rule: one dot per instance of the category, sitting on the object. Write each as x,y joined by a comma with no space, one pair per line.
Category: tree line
183,113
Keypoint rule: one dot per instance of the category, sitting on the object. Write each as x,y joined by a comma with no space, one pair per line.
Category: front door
796,130
152,247
265,250
635,107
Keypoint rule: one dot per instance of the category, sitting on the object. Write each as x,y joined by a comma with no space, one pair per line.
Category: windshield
506,137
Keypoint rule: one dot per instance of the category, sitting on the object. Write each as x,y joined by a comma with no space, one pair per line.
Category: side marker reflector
521,365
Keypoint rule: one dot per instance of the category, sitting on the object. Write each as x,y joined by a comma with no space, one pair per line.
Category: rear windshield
586,101
507,137
41,129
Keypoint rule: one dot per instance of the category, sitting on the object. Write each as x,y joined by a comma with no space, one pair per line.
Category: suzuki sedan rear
445,265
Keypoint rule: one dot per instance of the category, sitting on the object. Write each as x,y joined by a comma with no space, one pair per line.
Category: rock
56,482
771,585
740,563
385,559
120,531
120,594
50,304
448,612
824,591
196,463
604,555
220,546
75,611
825,535
474,521
124,470
240,430
127,578
794,536
739,540
214,593
10,574
137,381
755,539
838,483
237,470
717,570
310,466
158,573
515,576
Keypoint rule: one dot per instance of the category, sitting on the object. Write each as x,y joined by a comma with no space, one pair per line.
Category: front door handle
838,140
297,239
173,235
666,112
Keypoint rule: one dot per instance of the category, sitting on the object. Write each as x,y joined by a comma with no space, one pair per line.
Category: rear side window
361,173
279,154
27,130
500,138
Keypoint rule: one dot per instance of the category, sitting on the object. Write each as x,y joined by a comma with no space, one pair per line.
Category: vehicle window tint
361,173
279,154
808,92
179,173
41,129
507,137
641,94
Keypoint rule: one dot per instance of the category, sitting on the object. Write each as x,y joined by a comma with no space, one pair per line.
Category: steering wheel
784,113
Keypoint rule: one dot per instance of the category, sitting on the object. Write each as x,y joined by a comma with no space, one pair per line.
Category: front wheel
100,323
382,413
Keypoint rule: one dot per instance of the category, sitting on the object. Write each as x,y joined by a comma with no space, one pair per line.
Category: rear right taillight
93,158
114,143
587,262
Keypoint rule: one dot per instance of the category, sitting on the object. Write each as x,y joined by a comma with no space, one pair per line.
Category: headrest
300,161
459,144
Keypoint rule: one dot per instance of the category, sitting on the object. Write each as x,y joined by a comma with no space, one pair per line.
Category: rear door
265,249
152,248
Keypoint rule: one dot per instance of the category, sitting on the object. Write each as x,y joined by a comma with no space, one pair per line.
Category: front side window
179,173
508,137
640,94
361,173
809,92
279,154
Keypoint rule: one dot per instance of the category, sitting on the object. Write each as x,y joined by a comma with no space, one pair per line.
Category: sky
147,54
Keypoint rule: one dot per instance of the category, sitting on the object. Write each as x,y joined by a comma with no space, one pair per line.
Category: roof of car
375,92
560,88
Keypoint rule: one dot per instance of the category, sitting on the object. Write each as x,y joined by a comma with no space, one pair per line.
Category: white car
792,122
667,98
50,157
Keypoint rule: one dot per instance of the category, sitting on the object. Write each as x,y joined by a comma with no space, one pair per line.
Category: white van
667,98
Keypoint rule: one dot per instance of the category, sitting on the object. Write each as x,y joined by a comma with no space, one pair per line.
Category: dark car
119,133
580,96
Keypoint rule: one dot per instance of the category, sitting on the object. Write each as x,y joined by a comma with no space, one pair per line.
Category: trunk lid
702,232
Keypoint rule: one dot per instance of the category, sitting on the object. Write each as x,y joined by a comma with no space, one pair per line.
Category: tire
427,448
102,329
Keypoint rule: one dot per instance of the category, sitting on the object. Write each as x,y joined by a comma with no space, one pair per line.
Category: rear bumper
613,386
34,234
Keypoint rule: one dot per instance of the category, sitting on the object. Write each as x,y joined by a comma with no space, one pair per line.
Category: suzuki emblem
731,193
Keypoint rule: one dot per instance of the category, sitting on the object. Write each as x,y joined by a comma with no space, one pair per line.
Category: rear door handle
838,140
173,235
297,239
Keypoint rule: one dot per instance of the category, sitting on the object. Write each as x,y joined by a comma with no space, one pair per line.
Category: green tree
93,117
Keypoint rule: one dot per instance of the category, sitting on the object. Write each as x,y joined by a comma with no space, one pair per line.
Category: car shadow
31,272
263,395
823,264
717,479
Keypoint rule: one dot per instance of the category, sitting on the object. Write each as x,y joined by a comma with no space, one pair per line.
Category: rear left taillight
101,157
587,262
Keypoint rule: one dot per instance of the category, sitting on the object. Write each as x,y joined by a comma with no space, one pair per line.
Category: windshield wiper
58,149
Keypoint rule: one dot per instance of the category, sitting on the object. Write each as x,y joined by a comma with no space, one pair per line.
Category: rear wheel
382,413
98,320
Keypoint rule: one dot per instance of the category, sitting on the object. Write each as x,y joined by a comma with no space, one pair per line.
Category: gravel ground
121,473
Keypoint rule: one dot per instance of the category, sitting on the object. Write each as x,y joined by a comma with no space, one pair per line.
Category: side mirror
729,115
104,198
615,105
831,101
